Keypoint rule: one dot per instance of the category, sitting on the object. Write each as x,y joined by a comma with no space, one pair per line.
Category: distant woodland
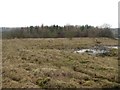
55,31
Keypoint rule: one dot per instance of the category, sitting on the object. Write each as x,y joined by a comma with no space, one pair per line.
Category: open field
50,62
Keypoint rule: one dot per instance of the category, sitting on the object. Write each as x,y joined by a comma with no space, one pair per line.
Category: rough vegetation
51,63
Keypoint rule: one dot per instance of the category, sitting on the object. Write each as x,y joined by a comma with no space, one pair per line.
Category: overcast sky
16,13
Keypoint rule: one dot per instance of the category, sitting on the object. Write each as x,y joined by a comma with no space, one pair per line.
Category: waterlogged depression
96,50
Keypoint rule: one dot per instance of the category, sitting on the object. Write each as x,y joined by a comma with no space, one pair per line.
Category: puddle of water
112,47
91,51
96,50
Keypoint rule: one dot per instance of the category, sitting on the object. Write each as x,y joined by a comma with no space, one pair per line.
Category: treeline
55,31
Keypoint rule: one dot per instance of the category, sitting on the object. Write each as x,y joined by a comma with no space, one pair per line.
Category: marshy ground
51,63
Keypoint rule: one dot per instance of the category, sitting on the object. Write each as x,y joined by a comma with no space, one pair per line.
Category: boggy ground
51,63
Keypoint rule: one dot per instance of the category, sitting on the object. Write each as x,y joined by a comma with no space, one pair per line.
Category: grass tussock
51,63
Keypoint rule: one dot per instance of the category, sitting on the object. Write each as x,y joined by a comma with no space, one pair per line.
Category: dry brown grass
45,63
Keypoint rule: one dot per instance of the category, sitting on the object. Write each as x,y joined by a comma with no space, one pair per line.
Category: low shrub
42,82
